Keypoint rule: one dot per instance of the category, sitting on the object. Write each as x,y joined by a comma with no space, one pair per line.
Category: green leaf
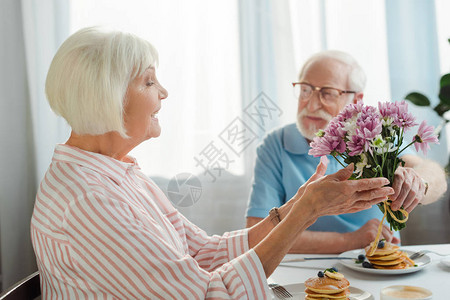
444,95
441,108
444,92
445,80
418,99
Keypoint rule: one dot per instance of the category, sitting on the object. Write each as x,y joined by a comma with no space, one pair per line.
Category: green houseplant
441,108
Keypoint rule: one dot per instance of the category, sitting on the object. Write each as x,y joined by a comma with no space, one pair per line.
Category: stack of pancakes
389,257
327,288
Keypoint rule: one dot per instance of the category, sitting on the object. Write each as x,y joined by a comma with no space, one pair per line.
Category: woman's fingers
320,169
368,183
374,194
359,204
320,172
344,173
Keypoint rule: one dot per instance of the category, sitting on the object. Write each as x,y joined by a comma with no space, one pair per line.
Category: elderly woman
102,229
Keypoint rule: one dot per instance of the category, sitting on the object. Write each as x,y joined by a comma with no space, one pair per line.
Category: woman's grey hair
357,77
88,78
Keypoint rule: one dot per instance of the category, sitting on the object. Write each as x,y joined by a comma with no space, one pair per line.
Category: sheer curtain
17,184
199,65
31,30
414,62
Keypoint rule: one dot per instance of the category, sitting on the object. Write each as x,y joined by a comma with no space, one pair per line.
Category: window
198,45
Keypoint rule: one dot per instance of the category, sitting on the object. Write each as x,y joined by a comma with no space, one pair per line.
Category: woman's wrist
302,213
274,216
284,210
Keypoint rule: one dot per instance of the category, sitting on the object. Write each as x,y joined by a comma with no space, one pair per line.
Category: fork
280,291
423,252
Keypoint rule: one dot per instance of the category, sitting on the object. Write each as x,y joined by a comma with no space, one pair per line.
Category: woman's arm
342,196
120,251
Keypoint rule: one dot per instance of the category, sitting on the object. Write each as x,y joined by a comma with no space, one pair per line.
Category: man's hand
409,189
366,234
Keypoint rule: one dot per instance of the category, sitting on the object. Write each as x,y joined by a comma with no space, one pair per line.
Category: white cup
405,292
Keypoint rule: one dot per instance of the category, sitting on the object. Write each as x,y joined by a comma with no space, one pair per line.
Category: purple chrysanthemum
369,111
388,109
397,112
335,129
350,111
356,145
319,147
425,134
405,119
326,145
369,127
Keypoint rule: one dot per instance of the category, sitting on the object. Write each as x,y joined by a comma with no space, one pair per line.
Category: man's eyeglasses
327,95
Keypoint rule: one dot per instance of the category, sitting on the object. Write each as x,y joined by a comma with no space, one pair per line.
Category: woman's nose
163,94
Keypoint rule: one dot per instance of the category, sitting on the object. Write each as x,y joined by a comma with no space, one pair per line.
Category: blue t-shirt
282,166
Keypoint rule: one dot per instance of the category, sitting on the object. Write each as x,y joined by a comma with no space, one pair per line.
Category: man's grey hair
357,77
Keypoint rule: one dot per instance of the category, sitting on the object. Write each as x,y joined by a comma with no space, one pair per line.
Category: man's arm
409,183
267,187
333,242
432,173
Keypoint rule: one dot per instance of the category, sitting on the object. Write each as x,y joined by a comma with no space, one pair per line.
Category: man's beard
310,132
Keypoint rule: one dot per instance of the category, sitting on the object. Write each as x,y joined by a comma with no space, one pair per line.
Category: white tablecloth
435,277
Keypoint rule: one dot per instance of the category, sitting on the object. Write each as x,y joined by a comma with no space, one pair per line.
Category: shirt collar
293,140
113,168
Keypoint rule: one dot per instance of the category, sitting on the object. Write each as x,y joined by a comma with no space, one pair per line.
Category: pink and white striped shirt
101,229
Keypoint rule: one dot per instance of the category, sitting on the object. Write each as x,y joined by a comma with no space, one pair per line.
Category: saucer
446,261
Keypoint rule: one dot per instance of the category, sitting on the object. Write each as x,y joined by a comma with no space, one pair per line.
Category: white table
435,277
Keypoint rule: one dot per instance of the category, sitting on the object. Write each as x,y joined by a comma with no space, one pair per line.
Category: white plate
421,263
446,261
298,292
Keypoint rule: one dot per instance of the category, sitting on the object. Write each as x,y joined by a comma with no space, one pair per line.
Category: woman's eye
150,83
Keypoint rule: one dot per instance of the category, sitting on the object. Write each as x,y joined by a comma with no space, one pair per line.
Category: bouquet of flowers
372,139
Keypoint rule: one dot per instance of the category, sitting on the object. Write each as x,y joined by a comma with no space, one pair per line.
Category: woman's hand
319,173
334,194
320,195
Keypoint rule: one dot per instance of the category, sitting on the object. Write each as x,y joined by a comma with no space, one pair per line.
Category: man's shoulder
280,133
286,138
274,140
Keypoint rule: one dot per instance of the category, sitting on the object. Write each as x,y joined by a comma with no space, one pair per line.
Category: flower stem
339,160
407,146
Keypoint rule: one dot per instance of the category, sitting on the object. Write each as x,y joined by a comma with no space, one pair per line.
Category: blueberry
381,244
320,274
367,265
361,257
334,269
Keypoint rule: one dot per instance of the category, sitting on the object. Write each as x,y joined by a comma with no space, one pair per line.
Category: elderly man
329,81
